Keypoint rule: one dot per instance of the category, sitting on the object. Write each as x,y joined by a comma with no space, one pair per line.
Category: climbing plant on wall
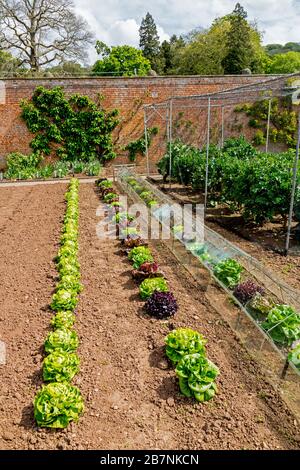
139,146
283,120
75,127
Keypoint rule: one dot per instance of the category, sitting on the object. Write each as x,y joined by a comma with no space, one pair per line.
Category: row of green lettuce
23,167
185,348
58,402
253,183
281,322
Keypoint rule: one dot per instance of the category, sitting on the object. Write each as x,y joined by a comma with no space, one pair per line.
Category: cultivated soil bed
262,243
131,393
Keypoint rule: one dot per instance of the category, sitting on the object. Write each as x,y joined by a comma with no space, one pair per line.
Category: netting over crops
204,121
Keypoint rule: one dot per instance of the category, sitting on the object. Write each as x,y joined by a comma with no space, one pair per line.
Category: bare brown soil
131,393
259,242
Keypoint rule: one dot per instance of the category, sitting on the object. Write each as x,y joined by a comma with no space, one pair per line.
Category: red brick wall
127,94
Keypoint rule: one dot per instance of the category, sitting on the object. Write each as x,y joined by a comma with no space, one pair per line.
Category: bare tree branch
43,31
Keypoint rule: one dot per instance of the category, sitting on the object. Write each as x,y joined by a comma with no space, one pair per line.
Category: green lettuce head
184,341
61,339
60,367
57,404
197,377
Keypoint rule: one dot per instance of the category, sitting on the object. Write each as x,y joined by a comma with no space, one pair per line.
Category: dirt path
30,223
132,399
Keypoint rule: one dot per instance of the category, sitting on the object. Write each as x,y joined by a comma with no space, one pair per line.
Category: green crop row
256,184
58,403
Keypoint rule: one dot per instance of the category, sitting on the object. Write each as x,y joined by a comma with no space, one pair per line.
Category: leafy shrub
60,367
197,376
60,169
21,166
140,255
161,305
283,324
93,168
246,291
184,341
149,286
78,166
57,404
63,319
229,272
61,339
294,356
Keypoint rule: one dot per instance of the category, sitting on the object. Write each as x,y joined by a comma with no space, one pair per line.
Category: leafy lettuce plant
129,231
261,304
161,305
104,184
294,356
60,367
57,404
63,319
229,272
110,197
149,286
69,282
283,324
64,299
61,339
246,291
140,255
197,376
122,217
184,341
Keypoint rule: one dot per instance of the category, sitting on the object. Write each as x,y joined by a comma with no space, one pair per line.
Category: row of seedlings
281,322
184,347
58,403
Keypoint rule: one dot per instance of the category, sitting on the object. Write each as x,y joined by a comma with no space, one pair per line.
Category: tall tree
42,32
169,52
238,42
120,61
149,42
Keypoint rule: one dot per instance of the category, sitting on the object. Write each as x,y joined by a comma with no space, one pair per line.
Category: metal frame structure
265,90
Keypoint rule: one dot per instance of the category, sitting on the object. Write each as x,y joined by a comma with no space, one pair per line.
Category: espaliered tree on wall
74,127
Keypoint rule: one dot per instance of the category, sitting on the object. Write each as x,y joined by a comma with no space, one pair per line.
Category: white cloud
117,22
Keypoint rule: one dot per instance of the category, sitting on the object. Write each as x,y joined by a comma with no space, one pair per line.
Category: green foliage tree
149,43
288,62
77,128
68,68
121,61
273,49
9,65
238,42
205,51
169,52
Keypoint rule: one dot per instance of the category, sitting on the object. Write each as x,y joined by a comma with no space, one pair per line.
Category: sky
117,22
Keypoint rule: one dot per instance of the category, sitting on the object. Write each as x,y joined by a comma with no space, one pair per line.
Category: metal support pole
146,142
222,134
268,126
170,141
207,154
294,186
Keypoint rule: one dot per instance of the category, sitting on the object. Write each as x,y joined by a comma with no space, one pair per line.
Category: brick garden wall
127,94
